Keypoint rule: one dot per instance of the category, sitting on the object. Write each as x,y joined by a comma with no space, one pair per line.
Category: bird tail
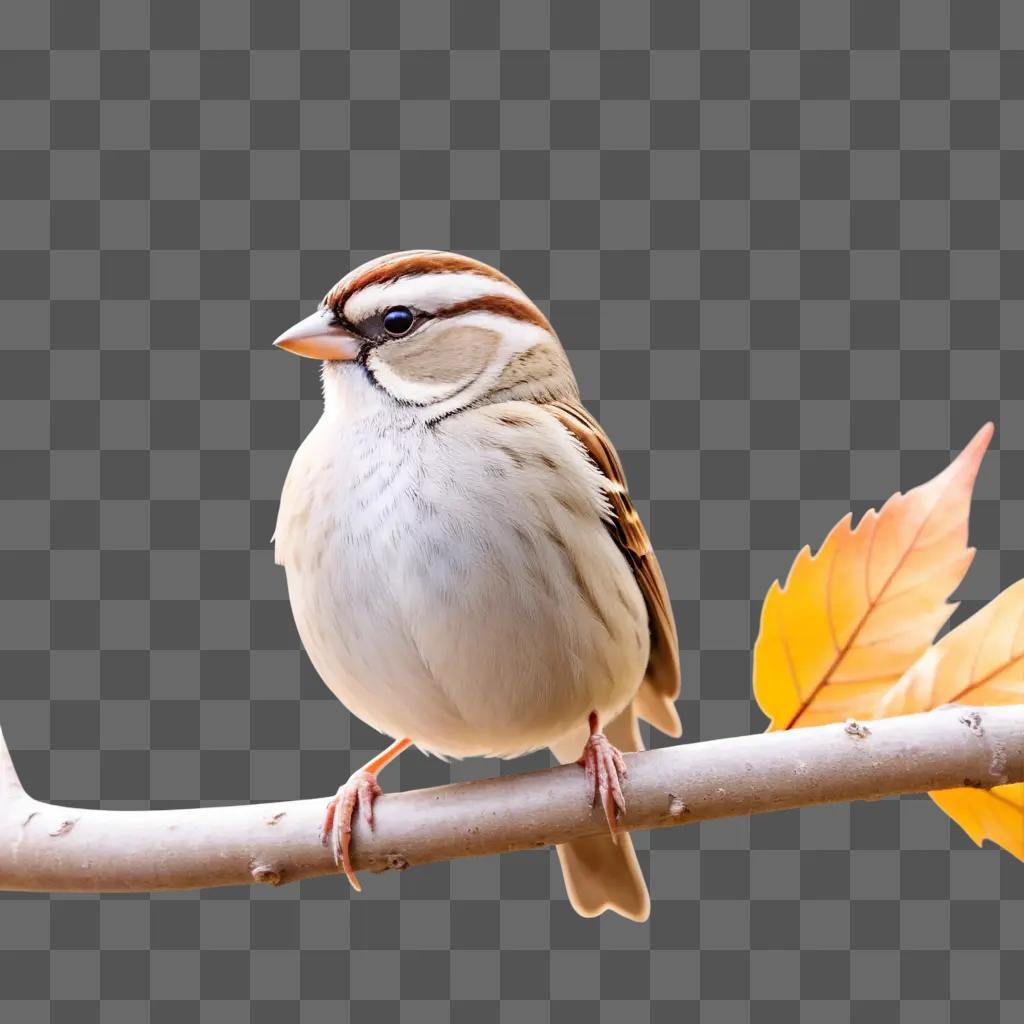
601,873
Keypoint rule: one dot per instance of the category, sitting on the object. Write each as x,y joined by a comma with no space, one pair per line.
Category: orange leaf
854,617
979,662
996,814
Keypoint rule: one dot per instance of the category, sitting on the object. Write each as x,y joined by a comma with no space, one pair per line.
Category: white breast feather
455,583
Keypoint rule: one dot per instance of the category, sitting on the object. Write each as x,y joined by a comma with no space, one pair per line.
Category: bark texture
44,847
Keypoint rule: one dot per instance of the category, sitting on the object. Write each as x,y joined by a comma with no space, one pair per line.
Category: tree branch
48,848
10,785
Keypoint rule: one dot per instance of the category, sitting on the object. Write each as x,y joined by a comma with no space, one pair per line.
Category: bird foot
604,770
360,791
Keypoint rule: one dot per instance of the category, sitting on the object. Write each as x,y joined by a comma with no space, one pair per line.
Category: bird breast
455,583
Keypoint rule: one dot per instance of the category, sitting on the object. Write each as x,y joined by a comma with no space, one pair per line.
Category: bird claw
604,769
359,792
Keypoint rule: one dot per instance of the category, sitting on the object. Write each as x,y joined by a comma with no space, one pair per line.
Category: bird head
435,331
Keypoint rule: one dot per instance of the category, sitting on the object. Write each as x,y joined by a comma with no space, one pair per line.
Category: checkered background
784,245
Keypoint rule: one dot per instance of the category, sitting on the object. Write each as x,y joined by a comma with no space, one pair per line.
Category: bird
465,567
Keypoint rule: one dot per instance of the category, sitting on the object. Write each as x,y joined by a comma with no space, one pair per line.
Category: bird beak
320,337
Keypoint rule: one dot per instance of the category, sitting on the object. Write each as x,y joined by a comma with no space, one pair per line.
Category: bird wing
660,685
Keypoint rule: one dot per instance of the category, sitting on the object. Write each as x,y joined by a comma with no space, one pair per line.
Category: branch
10,785
48,848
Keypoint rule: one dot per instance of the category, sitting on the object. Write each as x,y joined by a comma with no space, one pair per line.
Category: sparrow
465,568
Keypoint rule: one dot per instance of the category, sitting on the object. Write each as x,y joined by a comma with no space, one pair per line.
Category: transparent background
784,245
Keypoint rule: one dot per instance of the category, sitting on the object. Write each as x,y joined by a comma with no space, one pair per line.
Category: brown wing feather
660,685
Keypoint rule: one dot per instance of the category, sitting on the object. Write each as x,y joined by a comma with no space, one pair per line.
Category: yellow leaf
996,814
979,662
854,617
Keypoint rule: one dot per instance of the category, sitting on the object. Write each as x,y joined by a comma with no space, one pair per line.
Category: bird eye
398,320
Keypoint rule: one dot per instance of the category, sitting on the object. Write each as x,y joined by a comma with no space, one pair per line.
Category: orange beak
320,337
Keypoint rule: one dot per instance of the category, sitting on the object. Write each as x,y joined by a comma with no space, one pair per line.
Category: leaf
854,617
979,662
996,814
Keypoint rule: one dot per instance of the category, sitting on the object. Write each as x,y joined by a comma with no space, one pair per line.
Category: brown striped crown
387,269
507,300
